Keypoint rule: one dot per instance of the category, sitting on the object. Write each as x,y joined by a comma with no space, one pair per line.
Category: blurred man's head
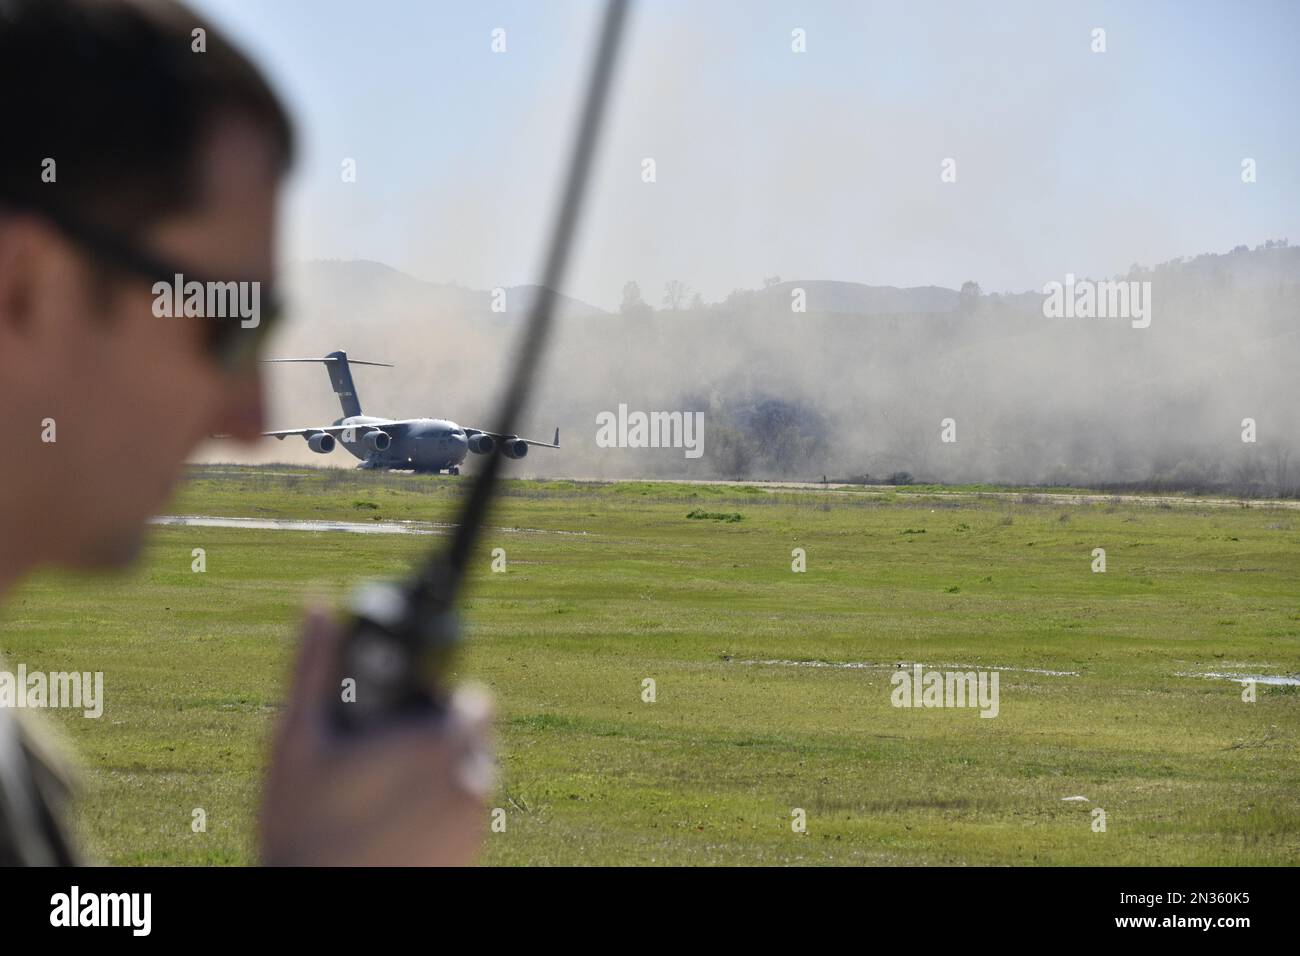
129,146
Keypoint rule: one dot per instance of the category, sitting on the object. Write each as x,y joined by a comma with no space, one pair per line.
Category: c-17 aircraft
429,445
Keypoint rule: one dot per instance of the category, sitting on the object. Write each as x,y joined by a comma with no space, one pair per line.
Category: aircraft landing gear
454,470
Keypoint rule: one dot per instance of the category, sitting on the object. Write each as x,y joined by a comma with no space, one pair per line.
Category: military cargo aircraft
430,445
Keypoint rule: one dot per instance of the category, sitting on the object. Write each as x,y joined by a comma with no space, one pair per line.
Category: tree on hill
633,305
675,293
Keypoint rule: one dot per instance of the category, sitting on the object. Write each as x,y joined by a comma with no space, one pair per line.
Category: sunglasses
232,345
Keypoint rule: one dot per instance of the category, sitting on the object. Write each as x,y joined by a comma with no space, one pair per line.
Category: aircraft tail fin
339,368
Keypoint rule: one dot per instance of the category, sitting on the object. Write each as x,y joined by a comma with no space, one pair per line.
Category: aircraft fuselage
427,444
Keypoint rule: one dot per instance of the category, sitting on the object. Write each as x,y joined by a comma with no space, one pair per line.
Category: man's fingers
316,669
471,708
471,721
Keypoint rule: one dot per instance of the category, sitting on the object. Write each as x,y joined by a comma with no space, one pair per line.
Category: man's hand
408,796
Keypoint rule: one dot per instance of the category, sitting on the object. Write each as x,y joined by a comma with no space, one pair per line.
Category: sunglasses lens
234,343
236,347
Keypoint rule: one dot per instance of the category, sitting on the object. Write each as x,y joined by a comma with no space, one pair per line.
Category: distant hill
519,299
857,384
824,295
357,285
357,288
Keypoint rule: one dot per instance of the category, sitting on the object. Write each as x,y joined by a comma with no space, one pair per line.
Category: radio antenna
401,639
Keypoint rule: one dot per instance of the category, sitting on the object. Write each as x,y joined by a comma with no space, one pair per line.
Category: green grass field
1185,771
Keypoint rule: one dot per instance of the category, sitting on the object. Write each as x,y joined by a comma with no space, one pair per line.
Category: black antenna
401,640
445,574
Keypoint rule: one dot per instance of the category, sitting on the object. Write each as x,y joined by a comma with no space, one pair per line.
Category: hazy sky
816,165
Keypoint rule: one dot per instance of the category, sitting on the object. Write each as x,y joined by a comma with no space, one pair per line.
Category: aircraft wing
394,428
526,441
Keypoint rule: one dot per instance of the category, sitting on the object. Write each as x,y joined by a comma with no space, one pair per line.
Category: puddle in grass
1270,679
355,527
867,665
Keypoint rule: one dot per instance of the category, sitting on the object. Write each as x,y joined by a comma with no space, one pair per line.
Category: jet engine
481,444
377,440
514,448
322,443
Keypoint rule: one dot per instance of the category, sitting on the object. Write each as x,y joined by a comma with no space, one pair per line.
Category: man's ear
40,277
17,280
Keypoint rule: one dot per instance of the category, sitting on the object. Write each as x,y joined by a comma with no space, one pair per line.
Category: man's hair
114,92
